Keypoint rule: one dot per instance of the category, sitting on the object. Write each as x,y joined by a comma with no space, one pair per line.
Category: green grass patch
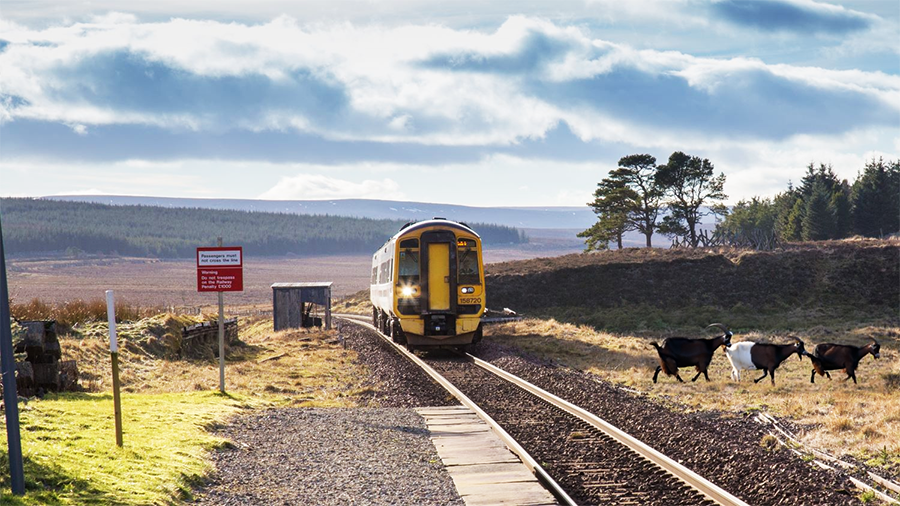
68,443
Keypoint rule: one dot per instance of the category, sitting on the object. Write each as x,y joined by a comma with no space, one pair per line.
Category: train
427,286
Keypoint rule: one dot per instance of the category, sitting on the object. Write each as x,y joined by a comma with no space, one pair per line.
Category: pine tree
818,218
690,184
794,230
613,202
840,207
875,199
638,173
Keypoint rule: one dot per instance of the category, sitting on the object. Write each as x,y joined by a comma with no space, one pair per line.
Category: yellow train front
428,285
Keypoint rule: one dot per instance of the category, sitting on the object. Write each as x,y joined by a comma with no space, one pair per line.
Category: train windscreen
467,255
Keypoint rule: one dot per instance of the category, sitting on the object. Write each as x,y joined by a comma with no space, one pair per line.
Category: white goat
739,356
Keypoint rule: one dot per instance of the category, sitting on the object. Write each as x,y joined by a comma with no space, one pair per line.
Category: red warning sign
220,269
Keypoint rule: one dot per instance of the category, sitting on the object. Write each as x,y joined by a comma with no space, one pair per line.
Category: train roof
444,222
412,226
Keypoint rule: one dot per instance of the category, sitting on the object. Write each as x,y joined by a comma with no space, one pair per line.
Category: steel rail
691,478
545,479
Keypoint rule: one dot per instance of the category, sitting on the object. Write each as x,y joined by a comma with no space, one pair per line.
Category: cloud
321,187
384,89
798,16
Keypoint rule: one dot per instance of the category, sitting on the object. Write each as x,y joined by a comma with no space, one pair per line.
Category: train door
439,261
439,277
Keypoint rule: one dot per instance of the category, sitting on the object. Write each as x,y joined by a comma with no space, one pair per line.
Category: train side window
467,272
374,275
408,266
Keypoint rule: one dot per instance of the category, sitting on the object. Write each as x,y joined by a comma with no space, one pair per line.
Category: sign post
10,394
220,269
114,354
221,334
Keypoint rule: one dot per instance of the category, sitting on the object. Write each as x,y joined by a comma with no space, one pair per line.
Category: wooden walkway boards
484,471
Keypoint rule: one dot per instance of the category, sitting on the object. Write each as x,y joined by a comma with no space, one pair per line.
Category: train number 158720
470,300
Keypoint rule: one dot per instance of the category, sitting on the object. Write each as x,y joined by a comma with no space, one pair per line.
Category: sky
501,103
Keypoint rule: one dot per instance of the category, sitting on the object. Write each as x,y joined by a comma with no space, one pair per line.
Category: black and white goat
832,357
748,355
678,352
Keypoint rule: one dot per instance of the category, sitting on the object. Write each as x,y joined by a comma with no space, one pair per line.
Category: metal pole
221,338
10,394
114,355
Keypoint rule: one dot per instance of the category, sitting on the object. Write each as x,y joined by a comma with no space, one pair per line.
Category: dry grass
293,367
70,313
862,420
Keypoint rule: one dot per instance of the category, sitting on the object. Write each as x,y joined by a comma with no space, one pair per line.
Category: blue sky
476,103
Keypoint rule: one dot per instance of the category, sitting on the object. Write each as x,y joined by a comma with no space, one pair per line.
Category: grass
842,418
70,455
292,367
168,406
77,311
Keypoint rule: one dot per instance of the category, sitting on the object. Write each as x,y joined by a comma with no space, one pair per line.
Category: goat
678,352
831,357
752,356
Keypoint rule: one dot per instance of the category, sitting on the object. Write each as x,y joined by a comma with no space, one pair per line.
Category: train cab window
408,264
409,243
467,255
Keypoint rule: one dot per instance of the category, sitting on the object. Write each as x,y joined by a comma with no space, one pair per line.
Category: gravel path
297,456
376,455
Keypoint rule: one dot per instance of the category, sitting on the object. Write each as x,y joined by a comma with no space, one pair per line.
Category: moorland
593,312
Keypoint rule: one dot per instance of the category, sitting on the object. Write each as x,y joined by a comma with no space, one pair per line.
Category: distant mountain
521,217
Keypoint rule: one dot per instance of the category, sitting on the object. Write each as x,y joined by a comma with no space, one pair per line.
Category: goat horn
795,338
723,327
873,340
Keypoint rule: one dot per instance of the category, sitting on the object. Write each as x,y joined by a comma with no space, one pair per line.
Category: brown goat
678,352
831,357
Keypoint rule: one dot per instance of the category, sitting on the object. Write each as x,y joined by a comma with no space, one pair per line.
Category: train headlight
468,289
407,291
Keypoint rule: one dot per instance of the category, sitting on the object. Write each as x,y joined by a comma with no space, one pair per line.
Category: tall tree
818,218
638,172
837,193
840,207
613,202
689,183
789,209
875,199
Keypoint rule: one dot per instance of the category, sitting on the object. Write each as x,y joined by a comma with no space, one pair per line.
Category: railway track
583,459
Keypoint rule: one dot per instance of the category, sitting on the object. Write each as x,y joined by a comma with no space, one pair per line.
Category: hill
806,284
41,226
521,217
